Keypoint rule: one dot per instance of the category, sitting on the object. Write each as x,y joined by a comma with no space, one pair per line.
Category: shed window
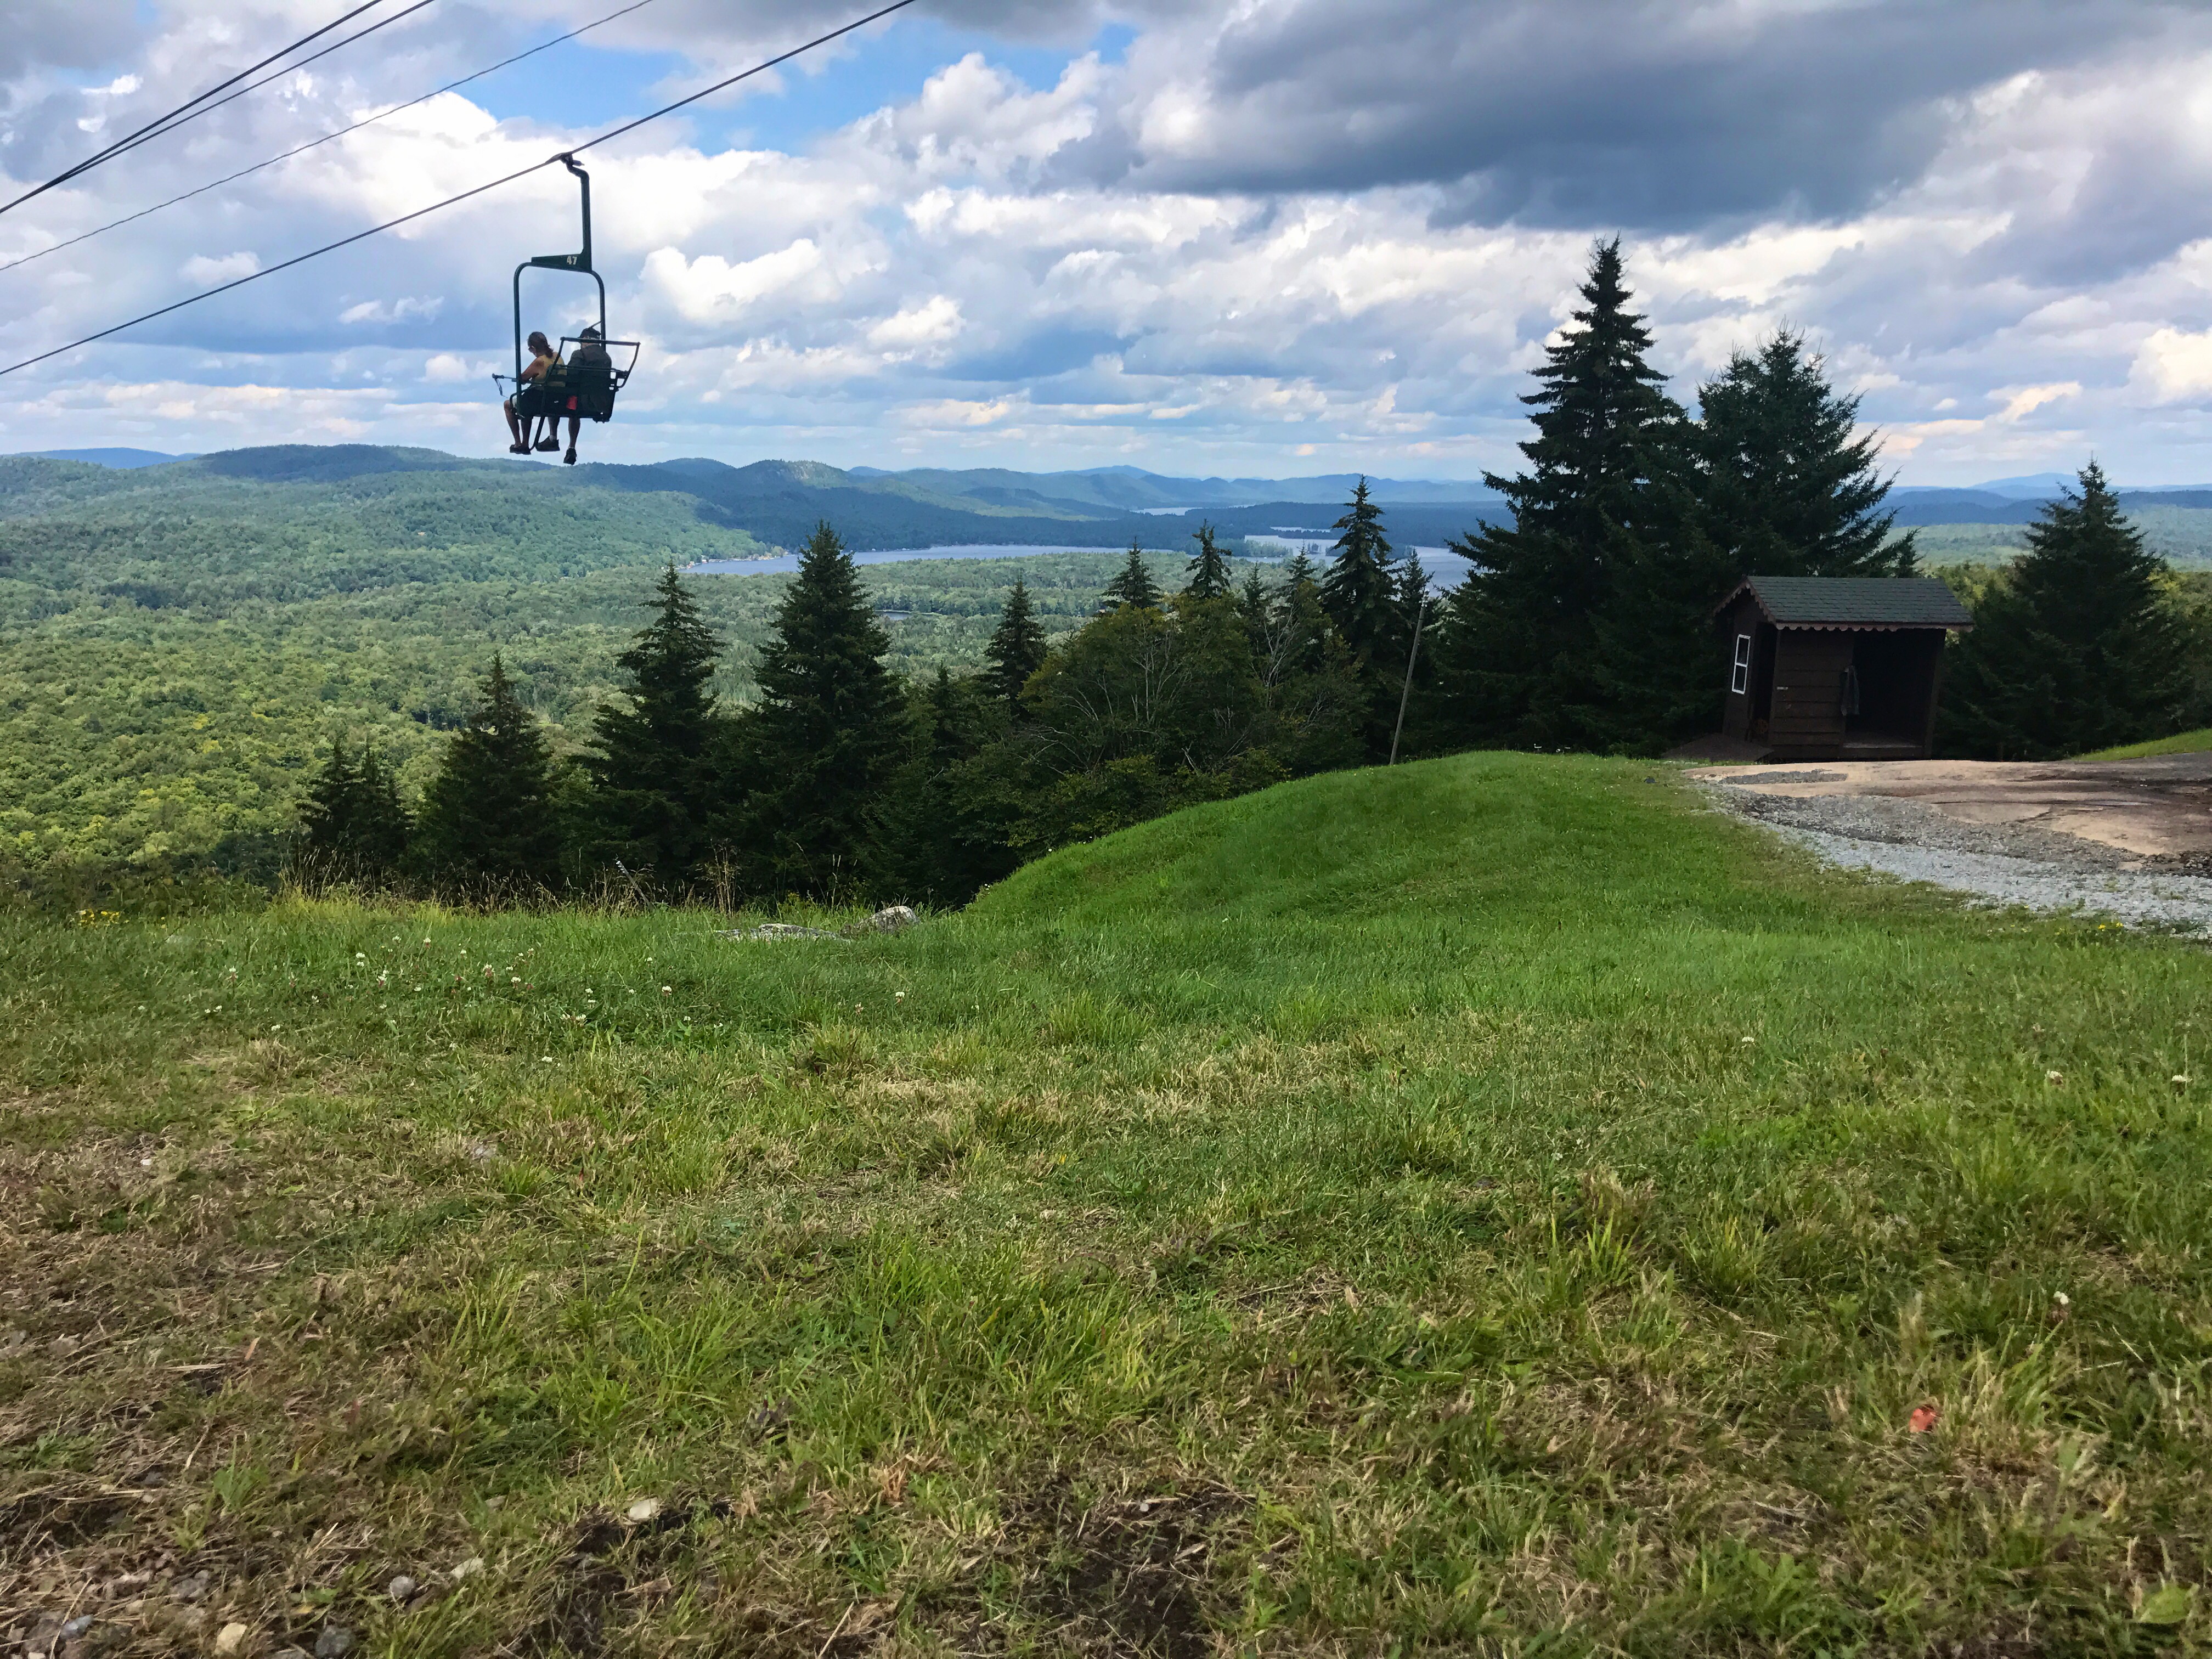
1740,680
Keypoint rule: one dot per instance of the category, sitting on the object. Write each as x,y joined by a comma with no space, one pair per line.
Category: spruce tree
381,827
653,772
1357,591
828,733
352,824
2077,647
1133,583
941,826
1790,486
326,816
1408,671
1531,629
1017,648
1208,572
488,823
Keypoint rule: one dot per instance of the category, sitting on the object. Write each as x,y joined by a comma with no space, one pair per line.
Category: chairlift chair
583,390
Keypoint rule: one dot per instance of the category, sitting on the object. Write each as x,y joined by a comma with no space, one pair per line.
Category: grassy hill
1492,1204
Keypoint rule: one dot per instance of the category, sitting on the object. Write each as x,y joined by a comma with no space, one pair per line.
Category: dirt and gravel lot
2128,839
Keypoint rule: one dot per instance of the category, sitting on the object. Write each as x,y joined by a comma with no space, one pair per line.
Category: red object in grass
1924,1418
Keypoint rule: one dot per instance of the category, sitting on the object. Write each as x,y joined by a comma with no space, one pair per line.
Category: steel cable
302,149
520,173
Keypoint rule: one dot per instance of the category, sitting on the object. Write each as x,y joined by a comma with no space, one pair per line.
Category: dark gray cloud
1650,116
65,34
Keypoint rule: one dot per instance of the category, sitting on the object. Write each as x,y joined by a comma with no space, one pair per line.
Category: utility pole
1420,615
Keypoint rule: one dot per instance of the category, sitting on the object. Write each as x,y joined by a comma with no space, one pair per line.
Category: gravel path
1998,864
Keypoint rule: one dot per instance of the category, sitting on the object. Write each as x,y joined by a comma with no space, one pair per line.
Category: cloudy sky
1222,236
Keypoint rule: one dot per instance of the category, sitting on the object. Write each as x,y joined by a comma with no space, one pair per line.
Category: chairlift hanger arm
578,262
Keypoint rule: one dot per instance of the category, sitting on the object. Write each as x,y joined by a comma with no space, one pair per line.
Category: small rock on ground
892,919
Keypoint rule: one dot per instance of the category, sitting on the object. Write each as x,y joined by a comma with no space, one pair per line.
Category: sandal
547,446
517,449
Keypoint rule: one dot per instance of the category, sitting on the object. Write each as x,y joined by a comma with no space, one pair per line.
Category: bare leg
575,424
518,445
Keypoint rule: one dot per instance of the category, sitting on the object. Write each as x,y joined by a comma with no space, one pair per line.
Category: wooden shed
1837,667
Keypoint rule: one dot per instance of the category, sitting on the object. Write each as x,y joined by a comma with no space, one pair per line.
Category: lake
1446,571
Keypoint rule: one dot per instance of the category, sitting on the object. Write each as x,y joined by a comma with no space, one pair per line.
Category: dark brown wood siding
1807,719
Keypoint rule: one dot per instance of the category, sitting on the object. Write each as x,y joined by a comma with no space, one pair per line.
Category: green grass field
1495,1206
2185,742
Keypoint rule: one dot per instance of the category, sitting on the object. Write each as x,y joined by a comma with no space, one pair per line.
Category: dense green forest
175,652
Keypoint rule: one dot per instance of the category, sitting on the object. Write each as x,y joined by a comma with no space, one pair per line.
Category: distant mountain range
780,501
116,457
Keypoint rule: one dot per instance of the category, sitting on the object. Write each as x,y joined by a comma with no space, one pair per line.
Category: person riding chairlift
590,355
542,357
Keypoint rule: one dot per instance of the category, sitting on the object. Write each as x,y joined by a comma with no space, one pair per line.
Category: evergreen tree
1133,584
327,817
488,821
1208,572
1409,671
653,772
829,732
353,826
381,826
1255,604
942,826
1307,632
1016,650
1605,494
1788,490
1356,591
2078,647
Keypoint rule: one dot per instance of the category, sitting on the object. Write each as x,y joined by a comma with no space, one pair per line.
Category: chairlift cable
120,144
302,149
162,131
760,67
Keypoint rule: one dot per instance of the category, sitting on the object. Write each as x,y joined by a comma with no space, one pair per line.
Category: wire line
302,149
162,129
451,201
124,142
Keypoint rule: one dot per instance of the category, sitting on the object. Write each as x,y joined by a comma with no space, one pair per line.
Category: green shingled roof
1856,602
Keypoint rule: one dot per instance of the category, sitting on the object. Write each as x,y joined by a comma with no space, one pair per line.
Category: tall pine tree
1604,494
488,823
1208,571
1016,649
353,827
1409,669
941,826
1133,584
2077,647
1788,484
653,774
829,733
1357,590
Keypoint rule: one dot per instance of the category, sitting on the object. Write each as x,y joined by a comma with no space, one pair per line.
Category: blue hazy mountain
116,457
